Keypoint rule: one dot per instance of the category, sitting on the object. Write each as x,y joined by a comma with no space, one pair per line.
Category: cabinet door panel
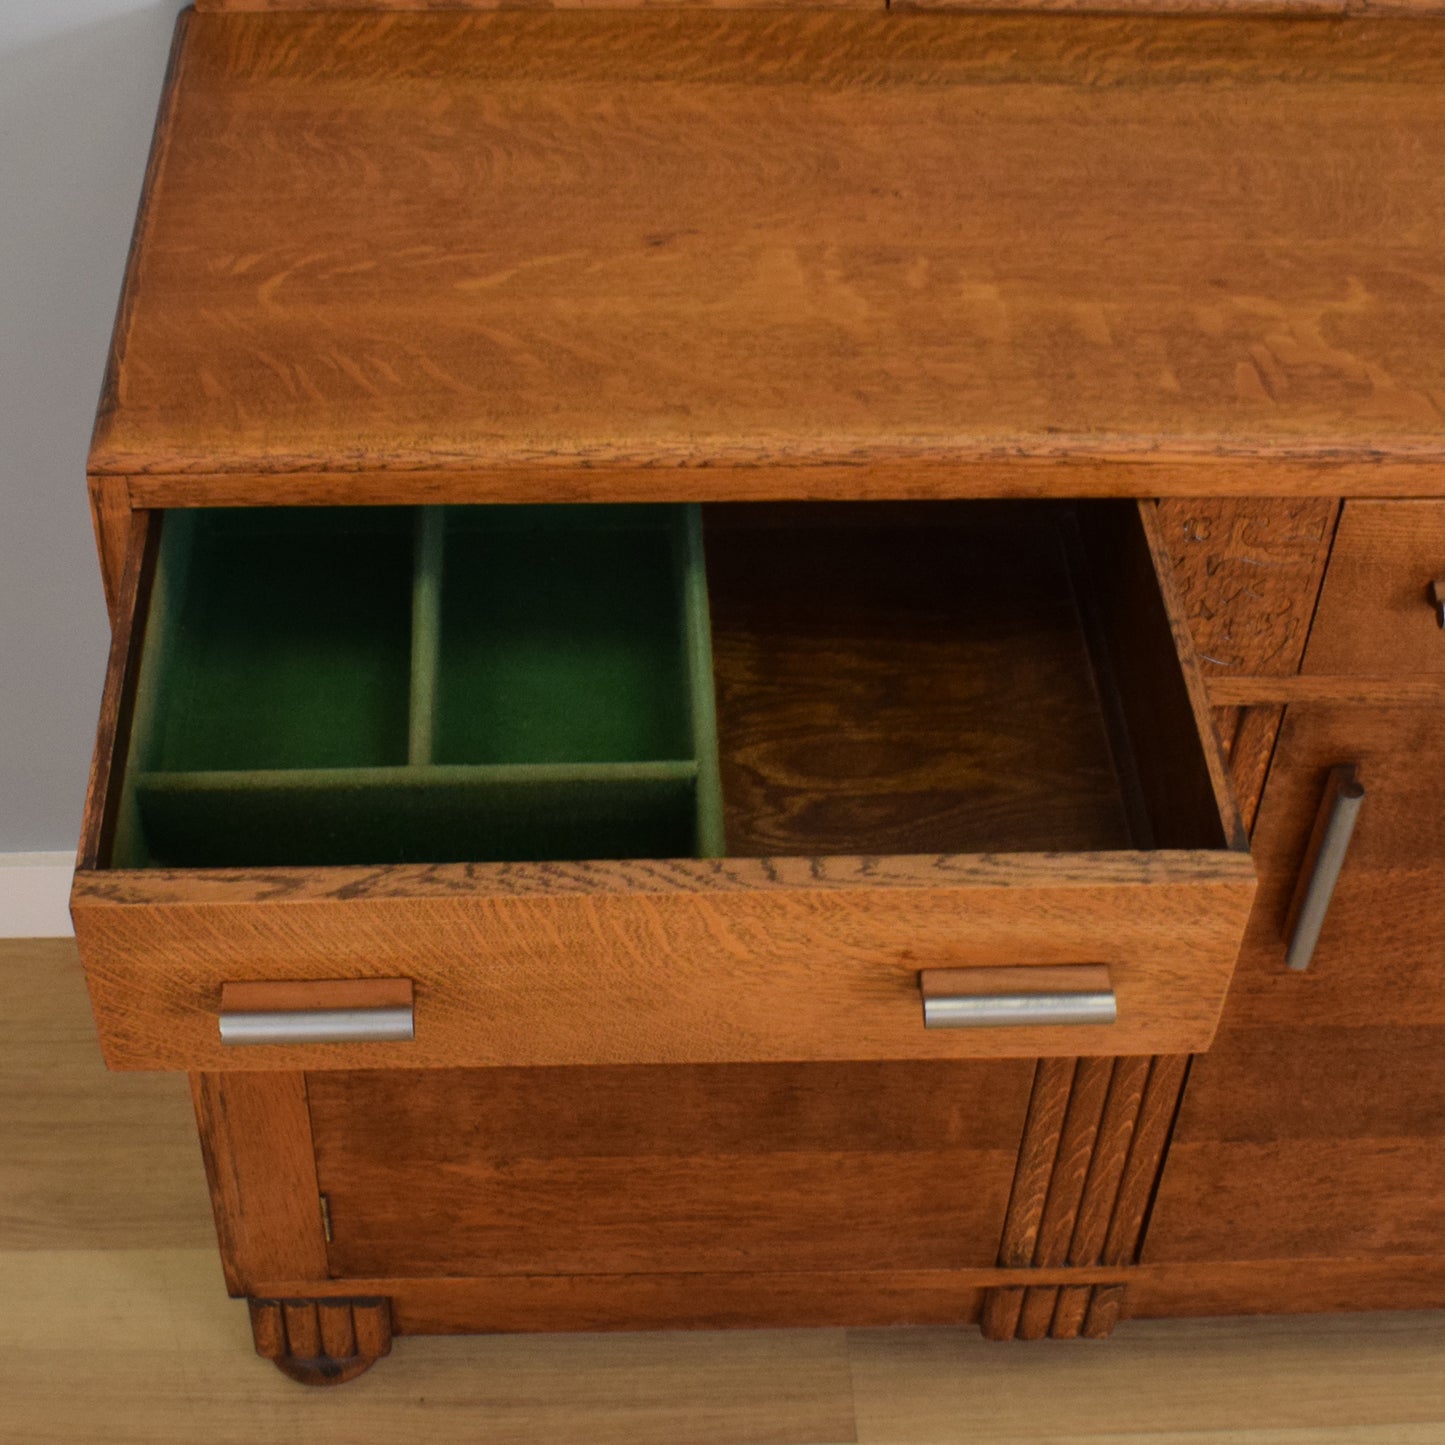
1315,1128
640,1170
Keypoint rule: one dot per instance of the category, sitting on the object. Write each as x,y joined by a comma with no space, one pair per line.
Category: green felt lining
385,685
560,640
286,642
514,813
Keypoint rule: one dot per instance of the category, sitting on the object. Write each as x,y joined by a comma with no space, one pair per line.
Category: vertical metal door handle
1325,857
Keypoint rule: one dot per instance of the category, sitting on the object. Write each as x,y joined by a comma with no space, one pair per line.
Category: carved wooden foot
321,1341
1055,1312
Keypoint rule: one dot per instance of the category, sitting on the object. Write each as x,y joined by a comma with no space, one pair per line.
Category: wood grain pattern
1036,1314
1182,7
1374,966
631,1171
265,996
1376,613
907,680
1146,1156
1286,1286
256,1141
667,962
1160,7
111,517
970,174
1071,1163
998,1316
898,479
117,703
1107,1162
1330,688
1048,1104
112,380
1248,572
1087,1166
1347,1197
321,1341
1165,709
691,1300
1106,1306
1249,735
1070,1311
278,6
1314,1129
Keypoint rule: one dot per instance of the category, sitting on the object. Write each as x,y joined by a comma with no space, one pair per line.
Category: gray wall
79,82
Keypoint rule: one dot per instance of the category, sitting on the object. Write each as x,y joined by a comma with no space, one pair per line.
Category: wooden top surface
865,244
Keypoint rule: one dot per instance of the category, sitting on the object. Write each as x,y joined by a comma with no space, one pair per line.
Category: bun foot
321,1341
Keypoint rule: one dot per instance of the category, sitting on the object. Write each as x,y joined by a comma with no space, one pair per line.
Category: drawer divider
697,632
425,631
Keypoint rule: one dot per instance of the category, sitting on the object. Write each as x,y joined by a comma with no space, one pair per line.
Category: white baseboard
35,895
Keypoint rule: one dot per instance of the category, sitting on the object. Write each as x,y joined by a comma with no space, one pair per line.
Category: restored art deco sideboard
783,666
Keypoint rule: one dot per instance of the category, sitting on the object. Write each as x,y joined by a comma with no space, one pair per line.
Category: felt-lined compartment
393,685
284,639
561,638
516,814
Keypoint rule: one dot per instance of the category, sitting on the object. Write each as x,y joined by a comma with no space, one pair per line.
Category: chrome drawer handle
343,1011
1324,859
318,1026
1017,997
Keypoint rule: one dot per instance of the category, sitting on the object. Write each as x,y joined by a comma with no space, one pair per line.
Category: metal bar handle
1324,859
332,1011
1030,996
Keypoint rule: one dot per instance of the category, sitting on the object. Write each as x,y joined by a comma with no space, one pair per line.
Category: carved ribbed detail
1089,1161
322,1342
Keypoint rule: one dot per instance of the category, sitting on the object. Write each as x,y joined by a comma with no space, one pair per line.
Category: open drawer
556,785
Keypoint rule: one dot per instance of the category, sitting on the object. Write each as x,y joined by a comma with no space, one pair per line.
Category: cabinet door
1315,1127
886,1167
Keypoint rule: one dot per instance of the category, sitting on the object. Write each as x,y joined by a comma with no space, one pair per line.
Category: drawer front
665,962
1380,612
1094,912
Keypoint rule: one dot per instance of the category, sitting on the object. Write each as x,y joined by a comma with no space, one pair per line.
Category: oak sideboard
783,666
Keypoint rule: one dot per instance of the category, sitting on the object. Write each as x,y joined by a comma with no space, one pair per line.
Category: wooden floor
115,1327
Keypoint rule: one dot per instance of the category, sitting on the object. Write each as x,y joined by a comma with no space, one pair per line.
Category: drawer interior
476,684
384,685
